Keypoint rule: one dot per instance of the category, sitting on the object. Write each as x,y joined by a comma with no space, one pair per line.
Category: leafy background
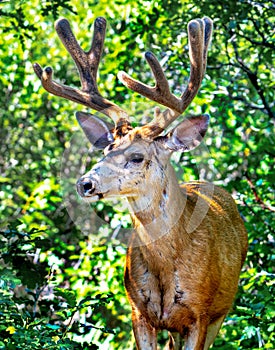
62,287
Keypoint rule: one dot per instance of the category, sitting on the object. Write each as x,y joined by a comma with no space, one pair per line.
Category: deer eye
136,158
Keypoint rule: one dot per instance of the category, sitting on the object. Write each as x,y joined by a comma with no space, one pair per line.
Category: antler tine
208,27
87,64
199,34
160,92
96,49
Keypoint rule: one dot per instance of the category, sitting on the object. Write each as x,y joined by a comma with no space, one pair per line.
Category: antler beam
199,34
87,64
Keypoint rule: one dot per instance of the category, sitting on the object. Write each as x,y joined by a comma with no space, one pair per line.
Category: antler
87,65
199,34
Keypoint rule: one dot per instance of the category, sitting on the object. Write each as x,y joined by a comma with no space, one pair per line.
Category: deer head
132,155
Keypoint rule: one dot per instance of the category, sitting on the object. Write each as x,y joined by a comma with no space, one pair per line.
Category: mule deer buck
183,262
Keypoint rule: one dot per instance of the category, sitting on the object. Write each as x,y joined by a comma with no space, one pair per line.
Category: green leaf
68,295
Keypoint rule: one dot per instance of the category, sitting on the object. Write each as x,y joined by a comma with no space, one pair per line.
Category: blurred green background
61,266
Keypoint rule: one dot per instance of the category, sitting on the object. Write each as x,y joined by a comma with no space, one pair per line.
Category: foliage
41,160
34,313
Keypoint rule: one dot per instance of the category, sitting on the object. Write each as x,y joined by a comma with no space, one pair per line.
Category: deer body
186,280
189,242
178,276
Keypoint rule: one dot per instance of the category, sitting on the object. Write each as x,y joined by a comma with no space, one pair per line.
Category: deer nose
85,187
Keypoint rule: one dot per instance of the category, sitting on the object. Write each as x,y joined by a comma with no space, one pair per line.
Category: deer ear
188,134
97,131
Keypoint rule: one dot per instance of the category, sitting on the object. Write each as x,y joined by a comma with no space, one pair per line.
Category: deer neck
158,209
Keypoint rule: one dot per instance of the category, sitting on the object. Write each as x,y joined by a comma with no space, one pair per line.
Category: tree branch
253,79
256,195
264,42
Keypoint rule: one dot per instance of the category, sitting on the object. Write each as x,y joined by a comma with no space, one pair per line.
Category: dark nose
85,187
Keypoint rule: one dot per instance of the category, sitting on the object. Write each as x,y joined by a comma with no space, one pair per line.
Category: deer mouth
93,198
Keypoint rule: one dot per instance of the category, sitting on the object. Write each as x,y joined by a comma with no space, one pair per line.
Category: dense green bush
34,312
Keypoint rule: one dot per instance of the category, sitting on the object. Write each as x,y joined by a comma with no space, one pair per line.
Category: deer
189,241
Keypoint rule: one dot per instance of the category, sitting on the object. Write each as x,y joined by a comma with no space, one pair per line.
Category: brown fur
186,281
188,247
